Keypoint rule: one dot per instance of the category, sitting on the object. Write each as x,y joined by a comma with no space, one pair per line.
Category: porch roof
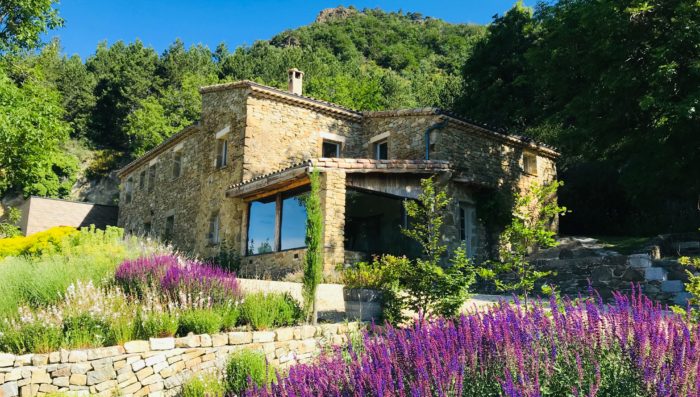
297,174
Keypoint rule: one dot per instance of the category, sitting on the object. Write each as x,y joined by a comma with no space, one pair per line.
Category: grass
91,255
623,244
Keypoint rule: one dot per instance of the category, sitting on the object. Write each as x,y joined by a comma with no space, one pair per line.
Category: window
381,150
330,149
142,180
151,178
373,223
214,228
147,228
530,163
261,226
177,164
221,152
277,222
468,228
129,189
169,228
293,229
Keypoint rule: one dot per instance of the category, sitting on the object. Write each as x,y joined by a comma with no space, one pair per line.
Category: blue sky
159,22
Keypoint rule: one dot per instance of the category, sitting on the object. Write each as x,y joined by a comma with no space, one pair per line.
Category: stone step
639,260
681,299
672,286
655,274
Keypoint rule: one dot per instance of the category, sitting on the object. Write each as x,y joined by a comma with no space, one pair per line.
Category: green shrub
247,365
204,385
156,325
199,321
84,331
262,311
44,242
31,338
121,330
229,317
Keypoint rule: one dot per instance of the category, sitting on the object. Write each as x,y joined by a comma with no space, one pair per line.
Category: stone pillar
333,207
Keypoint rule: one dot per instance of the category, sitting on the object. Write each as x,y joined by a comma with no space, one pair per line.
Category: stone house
237,179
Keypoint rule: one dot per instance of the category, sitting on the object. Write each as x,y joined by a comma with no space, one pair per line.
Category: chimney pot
295,78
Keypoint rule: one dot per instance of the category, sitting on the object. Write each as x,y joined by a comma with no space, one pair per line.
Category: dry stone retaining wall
159,366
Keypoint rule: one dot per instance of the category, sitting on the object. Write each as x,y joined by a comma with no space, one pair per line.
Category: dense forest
615,85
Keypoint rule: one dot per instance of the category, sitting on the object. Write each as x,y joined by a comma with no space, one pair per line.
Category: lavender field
632,347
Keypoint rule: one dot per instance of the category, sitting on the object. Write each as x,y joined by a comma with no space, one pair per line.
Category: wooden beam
274,190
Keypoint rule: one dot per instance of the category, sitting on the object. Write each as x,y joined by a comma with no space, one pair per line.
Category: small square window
530,163
330,149
221,153
177,164
381,150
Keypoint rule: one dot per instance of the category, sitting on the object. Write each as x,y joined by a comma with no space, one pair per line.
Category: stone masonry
159,366
268,130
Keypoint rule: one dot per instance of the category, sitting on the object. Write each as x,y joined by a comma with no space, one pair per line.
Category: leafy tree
9,228
32,131
535,212
125,75
23,21
426,285
313,260
497,88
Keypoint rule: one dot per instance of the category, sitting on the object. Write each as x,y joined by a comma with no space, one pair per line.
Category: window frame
177,163
169,228
129,190
142,179
338,147
151,178
221,160
377,149
279,198
530,163
468,228
214,234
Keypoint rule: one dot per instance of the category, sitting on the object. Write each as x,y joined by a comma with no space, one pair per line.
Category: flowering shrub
44,242
630,348
189,282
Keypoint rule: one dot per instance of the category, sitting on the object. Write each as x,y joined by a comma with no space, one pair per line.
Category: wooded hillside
615,85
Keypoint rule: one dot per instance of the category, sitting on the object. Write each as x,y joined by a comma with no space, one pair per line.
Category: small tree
313,261
9,228
429,287
530,229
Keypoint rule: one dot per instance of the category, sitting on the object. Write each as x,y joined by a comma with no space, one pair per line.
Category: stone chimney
295,77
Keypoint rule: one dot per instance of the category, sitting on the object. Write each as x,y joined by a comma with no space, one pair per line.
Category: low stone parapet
159,366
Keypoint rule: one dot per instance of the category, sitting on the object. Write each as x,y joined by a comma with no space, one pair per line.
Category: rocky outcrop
335,14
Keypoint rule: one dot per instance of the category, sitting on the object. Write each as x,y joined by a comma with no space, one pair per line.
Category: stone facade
269,131
159,366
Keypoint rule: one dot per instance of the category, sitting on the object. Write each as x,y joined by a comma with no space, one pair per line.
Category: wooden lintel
293,184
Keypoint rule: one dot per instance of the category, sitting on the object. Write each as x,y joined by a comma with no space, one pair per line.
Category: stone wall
158,367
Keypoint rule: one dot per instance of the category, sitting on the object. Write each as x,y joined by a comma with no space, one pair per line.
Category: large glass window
373,224
261,226
293,230
272,228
